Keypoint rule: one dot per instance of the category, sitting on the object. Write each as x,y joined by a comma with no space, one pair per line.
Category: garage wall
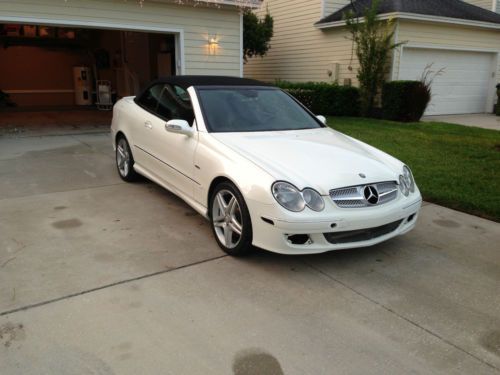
198,23
33,68
447,36
331,6
462,38
299,51
486,4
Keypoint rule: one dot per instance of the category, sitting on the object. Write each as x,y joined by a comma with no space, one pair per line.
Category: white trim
395,51
241,44
419,17
451,48
48,91
108,26
494,5
490,100
323,8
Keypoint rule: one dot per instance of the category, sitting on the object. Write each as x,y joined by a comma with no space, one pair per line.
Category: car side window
149,100
175,104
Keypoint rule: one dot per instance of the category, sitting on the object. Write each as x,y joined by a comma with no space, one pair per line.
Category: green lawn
454,166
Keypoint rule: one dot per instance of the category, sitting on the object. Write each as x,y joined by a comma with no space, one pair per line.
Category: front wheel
230,220
125,160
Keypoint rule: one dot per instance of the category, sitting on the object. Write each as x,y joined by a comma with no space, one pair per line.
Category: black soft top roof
187,81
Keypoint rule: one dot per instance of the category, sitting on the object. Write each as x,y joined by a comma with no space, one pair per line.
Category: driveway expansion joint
395,313
117,283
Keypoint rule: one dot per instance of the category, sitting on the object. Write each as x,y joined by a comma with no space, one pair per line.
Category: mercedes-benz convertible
263,169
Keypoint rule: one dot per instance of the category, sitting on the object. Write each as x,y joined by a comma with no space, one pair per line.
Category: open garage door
466,85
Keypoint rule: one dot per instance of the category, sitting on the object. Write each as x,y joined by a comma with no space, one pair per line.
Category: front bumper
289,233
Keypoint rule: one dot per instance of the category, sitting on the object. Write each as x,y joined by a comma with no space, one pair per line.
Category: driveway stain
256,362
58,208
104,258
491,342
11,332
67,224
447,223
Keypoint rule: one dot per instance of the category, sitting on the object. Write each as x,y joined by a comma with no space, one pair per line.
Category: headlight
313,200
294,200
403,187
406,182
288,196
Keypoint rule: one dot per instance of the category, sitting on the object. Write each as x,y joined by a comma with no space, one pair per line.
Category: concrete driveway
480,120
102,277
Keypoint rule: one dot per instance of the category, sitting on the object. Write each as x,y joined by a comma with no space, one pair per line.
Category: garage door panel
462,87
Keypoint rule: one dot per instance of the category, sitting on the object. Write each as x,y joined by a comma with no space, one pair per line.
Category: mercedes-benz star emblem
371,194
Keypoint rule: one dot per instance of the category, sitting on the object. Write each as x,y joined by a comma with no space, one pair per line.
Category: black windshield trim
242,87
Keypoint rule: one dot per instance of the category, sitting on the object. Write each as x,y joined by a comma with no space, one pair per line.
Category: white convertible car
263,169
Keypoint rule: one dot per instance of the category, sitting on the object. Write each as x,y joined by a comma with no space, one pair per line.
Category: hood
322,159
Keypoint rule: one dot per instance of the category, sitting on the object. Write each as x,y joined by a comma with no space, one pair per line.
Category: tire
230,220
125,160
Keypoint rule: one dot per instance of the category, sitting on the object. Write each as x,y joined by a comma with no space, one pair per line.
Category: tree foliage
256,34
373,42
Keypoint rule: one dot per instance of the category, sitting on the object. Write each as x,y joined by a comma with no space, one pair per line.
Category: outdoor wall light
213,44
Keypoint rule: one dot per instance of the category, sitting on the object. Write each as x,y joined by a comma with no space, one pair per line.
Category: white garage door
464,86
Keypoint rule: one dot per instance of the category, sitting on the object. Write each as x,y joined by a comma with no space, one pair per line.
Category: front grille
360,235
354,196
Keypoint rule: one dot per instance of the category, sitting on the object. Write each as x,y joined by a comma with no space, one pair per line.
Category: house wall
197,23
424,34
299,51
330,6
486,4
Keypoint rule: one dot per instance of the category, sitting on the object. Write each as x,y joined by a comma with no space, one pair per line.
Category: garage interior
71,76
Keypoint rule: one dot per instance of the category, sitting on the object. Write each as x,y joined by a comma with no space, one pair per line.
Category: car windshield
252,109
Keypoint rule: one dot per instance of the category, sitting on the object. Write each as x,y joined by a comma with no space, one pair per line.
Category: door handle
148,125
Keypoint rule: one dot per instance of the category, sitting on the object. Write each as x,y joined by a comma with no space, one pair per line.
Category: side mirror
321,118
179,127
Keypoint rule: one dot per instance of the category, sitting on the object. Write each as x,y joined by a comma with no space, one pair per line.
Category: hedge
324,98
405,100
497,108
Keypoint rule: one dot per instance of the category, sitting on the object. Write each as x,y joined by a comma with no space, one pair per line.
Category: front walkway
480,120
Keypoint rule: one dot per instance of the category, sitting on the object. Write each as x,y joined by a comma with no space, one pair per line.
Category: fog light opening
299,239
266,220
410,218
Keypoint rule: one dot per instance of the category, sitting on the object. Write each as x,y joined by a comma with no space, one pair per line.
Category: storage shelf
10,41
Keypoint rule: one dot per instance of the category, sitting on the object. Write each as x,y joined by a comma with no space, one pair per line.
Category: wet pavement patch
67,224
447,223
256,362
491,342
10,332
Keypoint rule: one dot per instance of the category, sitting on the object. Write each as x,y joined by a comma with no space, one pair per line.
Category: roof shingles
440,8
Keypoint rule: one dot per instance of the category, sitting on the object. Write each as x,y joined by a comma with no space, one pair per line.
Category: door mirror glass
179,127
321,118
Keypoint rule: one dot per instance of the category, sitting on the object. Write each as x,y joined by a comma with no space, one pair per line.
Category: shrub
497,109
325,98
405,100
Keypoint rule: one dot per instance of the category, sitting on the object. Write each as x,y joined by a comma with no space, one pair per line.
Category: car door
174,153
142,127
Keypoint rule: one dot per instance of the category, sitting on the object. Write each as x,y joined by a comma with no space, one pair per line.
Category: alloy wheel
227,219
123,157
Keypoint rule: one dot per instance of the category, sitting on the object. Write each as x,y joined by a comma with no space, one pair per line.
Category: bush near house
325,98
405,100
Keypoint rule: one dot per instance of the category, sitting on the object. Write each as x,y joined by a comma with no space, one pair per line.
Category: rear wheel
230,220
125,160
